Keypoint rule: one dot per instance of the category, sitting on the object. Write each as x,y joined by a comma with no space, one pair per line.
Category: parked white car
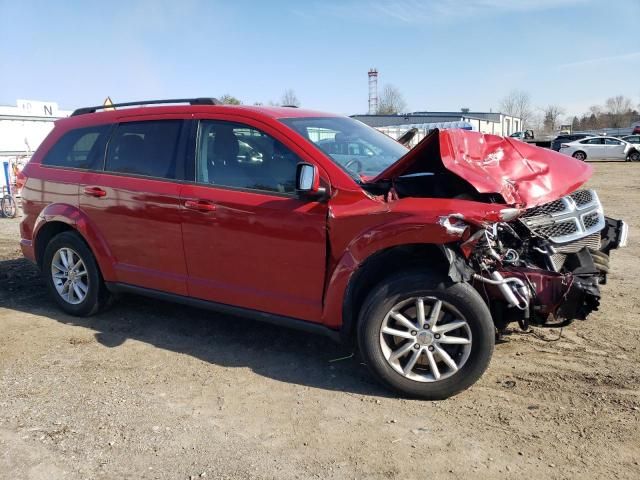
602,148
634,139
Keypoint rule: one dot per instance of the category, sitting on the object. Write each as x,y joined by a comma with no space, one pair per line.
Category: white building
22,128
485,122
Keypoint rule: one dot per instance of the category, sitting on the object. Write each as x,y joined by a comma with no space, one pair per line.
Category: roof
242,110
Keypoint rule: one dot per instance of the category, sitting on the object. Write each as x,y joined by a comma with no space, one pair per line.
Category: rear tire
423,371
79,291
580,156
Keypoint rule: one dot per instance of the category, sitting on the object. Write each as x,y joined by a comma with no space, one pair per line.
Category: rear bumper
27,249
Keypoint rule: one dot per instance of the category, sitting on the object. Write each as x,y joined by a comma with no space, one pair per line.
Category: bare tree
618,105
518,104
391,101
289,98
552,114
620,110
229,100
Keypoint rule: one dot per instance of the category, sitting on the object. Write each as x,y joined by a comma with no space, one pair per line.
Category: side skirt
279,320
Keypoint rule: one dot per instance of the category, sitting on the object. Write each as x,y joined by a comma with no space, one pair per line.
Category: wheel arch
390,261
58,218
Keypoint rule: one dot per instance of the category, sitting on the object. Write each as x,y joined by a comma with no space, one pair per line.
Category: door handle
199,205
95,192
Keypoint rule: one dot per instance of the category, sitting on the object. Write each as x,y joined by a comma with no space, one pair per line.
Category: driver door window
238,156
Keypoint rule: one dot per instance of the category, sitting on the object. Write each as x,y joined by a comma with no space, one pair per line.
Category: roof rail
190,101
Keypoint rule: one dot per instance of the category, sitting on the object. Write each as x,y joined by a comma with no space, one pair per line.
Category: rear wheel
72,275
580,156
425,338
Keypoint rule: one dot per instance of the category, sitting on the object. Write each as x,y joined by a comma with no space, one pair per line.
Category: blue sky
441,54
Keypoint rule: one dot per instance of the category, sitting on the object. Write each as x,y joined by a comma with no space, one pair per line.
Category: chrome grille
546,209
559,229
561,251
582,197
591,241
567,219
591,219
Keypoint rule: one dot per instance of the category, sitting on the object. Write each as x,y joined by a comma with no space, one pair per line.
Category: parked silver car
602,148
634,139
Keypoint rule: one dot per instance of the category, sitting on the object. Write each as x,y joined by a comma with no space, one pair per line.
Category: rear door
249,241
134,203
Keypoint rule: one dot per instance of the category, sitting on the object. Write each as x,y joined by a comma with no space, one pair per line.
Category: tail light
21,179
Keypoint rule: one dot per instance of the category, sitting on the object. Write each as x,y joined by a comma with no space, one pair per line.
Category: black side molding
279,320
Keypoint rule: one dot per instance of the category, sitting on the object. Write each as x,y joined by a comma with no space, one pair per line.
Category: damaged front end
538,249
545,267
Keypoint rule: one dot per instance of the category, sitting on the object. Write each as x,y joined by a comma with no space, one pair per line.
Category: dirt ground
154,390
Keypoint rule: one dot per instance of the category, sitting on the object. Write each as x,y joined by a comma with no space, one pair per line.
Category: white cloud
419,12
601,60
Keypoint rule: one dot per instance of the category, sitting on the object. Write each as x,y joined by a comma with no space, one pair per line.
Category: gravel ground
155,390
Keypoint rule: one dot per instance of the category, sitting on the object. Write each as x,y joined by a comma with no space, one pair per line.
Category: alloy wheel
425,339
69,274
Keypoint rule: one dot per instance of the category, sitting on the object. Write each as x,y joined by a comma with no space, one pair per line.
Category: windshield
359,149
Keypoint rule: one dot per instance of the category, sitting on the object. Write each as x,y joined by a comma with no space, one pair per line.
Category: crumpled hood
525,175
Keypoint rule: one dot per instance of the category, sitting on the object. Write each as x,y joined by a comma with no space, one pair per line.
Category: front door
249,241
134,204
594,147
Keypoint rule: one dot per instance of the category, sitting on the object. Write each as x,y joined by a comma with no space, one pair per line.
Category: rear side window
80,148
147,148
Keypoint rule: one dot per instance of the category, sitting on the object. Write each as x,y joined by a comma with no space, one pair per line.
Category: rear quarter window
80,148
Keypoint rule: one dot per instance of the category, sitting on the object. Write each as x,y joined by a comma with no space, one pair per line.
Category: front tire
580,156
72,275
425,337
634,156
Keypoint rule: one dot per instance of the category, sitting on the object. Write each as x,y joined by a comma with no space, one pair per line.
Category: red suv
318,221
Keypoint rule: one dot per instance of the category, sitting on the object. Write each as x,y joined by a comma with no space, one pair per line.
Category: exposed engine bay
545,267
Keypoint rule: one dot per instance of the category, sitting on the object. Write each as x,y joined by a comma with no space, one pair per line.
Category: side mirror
308,181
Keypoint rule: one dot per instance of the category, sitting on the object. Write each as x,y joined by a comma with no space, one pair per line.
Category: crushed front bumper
614,235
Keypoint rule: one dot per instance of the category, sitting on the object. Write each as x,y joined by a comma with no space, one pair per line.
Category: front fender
404,231
357,234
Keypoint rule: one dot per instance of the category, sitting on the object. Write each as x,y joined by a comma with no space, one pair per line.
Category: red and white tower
373,91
